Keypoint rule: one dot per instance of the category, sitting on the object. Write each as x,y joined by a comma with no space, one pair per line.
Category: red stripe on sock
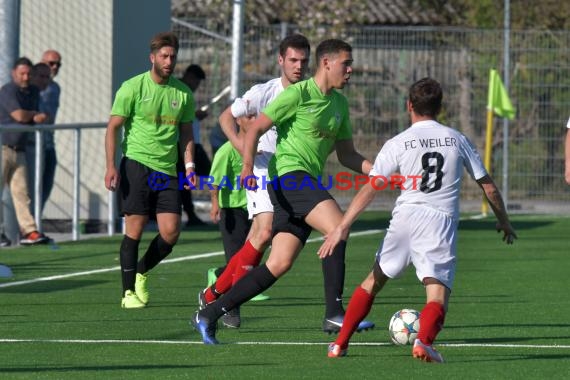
358,308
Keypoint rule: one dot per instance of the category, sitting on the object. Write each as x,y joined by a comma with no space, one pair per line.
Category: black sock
157,250
128,257
333,273
253,283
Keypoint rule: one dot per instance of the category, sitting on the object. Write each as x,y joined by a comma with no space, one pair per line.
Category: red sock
431,322
249,258
358,308
224,281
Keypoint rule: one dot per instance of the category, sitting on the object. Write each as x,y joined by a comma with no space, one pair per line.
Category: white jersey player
251,104
423,229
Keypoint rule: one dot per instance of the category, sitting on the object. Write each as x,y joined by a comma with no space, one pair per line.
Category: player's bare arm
496,202
186,143
358,204
229,127
215,209
112,176
257,128
350,158
567,156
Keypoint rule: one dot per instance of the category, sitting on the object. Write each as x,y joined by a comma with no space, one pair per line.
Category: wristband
190,165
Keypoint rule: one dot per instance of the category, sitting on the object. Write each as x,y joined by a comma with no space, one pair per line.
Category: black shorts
143,191
294,195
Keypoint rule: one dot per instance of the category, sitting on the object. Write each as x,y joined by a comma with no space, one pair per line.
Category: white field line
167,261
187,342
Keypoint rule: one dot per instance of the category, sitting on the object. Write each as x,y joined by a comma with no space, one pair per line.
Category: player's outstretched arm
229,127
358,204
350,158
496,202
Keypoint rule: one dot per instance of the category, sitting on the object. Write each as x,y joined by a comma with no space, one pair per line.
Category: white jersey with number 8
431,158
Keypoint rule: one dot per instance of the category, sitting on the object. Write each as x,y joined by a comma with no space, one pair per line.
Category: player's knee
265,236
278,268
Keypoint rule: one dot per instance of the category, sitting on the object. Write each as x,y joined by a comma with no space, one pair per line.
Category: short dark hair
196,71
40,65
163,39
426,96
294,41
22,61
331,46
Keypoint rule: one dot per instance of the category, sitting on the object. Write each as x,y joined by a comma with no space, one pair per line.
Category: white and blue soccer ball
404,326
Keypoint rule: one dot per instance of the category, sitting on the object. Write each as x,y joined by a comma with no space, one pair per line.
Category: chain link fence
387,60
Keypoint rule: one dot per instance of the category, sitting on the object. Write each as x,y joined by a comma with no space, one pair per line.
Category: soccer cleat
34,238
140,288
333,325
336,352
206,328
426,352
232,319
212,278
260,297
131,301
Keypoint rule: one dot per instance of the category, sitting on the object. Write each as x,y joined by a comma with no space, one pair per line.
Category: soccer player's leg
253,283
324,217
167,205
252,251
432,317
358,308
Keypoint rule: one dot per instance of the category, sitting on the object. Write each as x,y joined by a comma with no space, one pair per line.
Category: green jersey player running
312,120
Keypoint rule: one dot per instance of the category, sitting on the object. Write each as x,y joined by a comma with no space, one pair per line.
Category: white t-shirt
431,157
253,102
568,124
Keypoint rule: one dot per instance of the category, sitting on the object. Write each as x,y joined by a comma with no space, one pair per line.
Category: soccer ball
404,326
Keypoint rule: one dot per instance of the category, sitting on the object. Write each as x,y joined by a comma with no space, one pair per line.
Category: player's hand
215,213
331,241
112,179
509,234
247,179
191,177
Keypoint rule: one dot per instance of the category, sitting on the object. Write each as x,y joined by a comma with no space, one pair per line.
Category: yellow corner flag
498,100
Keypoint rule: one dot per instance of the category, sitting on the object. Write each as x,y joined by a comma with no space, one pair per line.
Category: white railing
75,229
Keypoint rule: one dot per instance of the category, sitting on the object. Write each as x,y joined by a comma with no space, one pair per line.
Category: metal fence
387,60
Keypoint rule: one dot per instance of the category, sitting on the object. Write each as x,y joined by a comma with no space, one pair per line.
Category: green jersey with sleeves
308,125
153,114
226,167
